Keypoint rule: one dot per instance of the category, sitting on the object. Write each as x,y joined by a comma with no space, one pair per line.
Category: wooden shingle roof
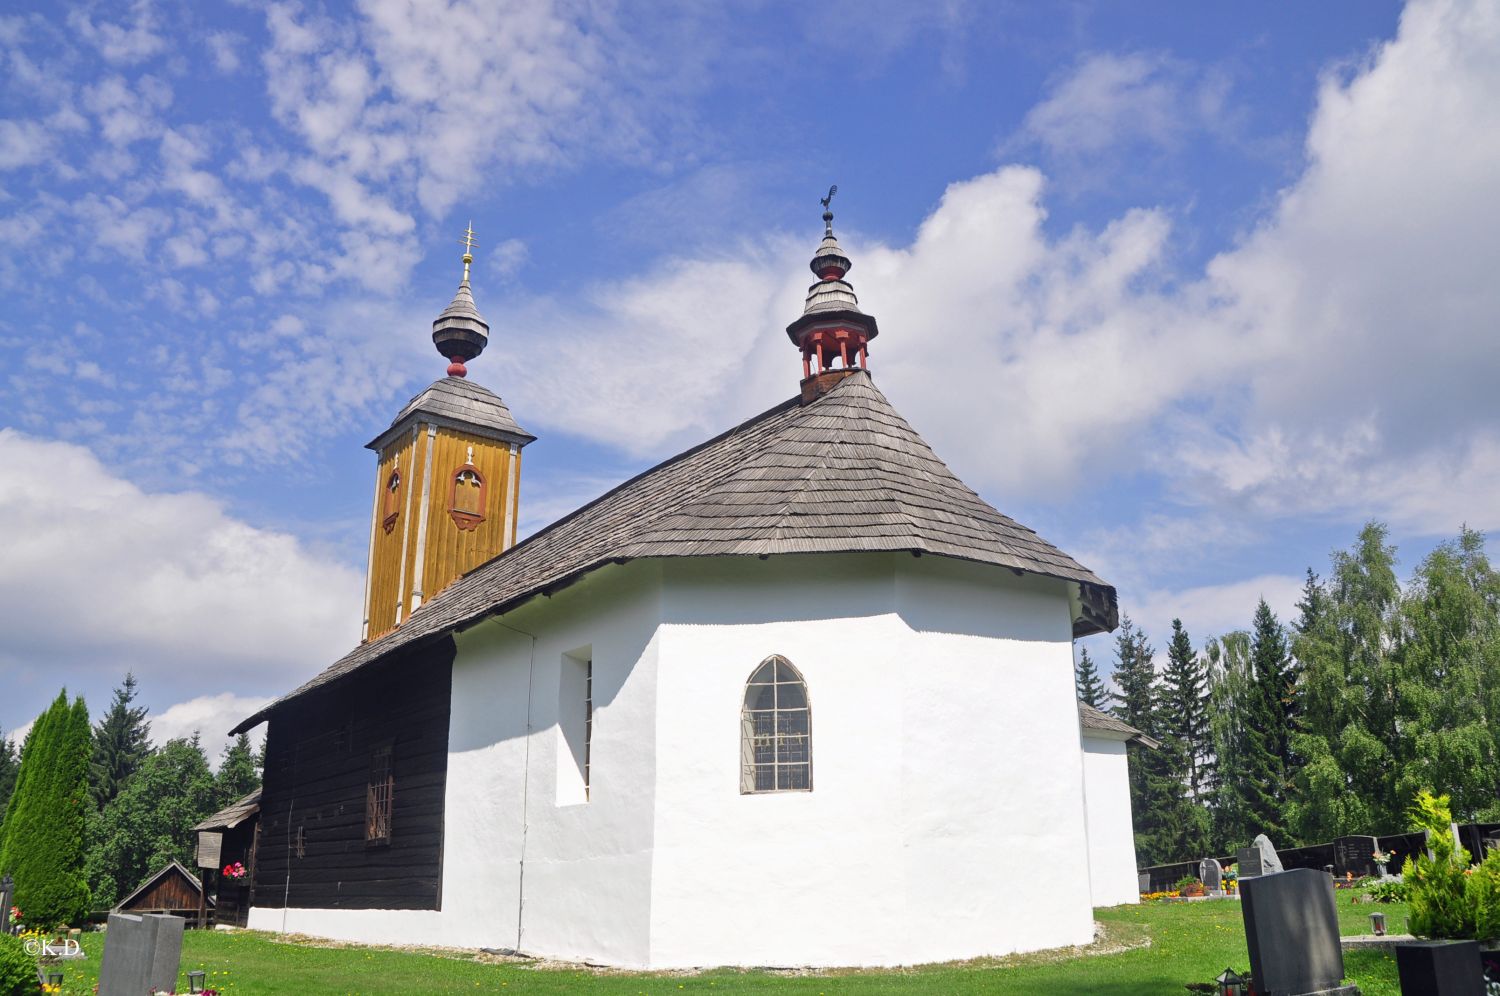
843,473
462,404
1090,718
233,814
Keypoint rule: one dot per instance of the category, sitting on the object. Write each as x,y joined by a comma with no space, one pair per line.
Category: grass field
1188,942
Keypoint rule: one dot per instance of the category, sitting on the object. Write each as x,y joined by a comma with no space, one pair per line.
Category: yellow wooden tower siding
447,481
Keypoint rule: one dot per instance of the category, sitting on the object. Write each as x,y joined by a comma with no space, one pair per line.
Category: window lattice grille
379,795
776,731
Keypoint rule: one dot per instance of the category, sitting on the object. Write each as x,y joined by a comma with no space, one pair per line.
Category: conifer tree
43,839
121,743
1166,826
1086,680
10,763
238,773
1185,696
1266,740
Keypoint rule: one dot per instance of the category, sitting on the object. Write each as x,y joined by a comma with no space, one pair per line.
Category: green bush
1484,897
1436,887
1388,892
17,968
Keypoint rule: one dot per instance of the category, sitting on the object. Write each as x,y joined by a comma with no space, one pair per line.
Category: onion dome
460,332
832,333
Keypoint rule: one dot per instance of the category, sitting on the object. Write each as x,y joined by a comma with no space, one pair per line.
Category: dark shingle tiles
844,473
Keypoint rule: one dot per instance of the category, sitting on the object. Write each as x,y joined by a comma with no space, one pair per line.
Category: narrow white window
776,730
575,726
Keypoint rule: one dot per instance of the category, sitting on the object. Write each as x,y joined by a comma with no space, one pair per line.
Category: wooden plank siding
427,551
317,772
235,897
173,894
387,588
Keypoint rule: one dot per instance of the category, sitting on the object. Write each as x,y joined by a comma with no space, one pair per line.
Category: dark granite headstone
1439,968
129,951
1355,854
1248,859
167,958
1211,874
1292,929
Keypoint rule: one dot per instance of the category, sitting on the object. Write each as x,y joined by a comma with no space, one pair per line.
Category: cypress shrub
43,845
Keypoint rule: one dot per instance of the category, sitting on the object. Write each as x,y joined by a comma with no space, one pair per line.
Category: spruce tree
238,774
121,743
43,841
1166,826
1267,734
1185,697
1086,680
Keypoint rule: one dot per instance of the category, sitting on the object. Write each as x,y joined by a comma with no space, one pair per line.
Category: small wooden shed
173,889
239,824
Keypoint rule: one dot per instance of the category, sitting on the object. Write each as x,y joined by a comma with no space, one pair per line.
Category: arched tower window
392,501
466,503
776,730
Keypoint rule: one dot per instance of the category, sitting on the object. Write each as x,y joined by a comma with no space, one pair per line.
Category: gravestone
1355,854
141,954
167,958
1292,930
1439,968
1211,873
7,886
1260,858
1145,881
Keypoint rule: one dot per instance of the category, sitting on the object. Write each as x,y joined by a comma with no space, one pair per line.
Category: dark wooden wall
173,893
235,897
317,769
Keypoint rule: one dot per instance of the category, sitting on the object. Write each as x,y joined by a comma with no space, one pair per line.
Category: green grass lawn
1189,942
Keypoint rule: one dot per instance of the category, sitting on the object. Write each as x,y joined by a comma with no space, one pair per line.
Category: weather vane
828,211
468,242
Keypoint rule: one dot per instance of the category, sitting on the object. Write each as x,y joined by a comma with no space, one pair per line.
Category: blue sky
1193,290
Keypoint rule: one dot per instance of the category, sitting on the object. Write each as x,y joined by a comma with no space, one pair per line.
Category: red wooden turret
833,334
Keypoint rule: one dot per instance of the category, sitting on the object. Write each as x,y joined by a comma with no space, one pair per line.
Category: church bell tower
448,475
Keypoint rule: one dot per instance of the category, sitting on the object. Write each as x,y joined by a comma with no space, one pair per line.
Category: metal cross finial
828,211
468,242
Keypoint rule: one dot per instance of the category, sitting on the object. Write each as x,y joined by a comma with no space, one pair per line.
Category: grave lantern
55,979
196,980
1377,923
1231,983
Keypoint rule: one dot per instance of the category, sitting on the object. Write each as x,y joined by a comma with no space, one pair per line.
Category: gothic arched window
776,730
392,503
467,500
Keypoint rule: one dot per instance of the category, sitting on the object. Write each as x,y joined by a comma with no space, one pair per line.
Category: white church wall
946,817
587,864
1112,868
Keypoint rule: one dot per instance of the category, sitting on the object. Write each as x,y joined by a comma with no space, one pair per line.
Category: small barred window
776,730
379,796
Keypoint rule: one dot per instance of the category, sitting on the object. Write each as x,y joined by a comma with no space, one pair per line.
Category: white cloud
120,43
224,48
99,577
1113,99
209,716
1213,610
